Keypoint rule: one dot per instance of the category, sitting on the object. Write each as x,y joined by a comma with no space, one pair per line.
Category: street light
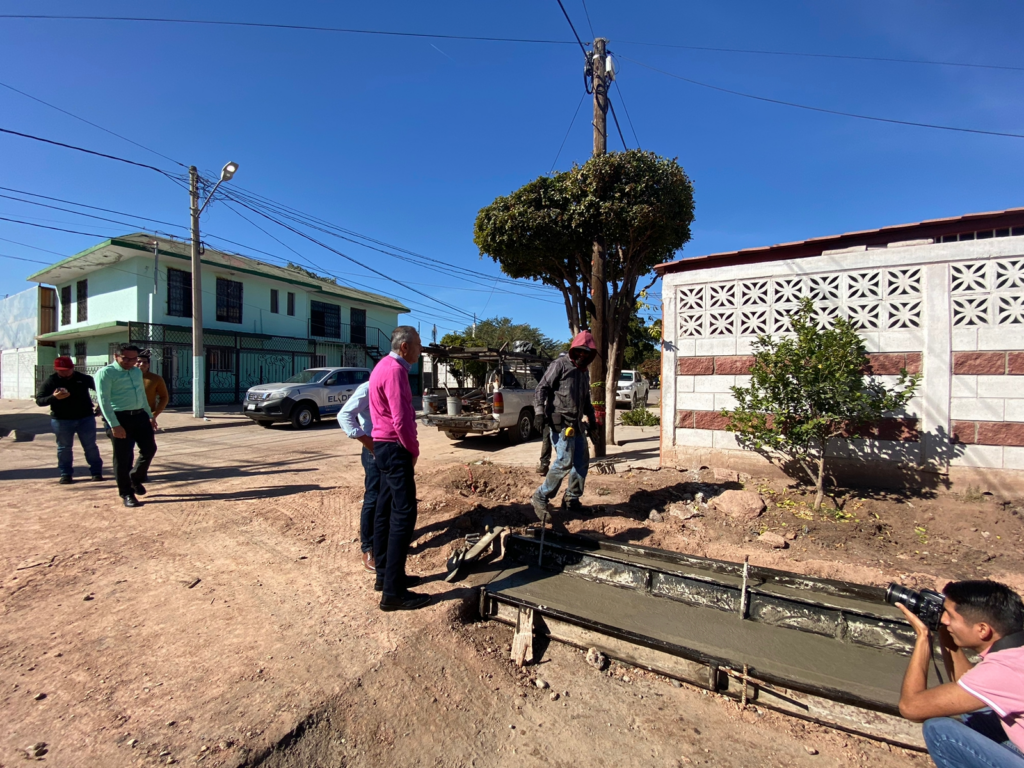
198,352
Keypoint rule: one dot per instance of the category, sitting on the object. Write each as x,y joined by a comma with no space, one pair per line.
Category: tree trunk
610,389
819,486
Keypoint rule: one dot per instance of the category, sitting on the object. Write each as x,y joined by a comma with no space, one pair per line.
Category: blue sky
404,139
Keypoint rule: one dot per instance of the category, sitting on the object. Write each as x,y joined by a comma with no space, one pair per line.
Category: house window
273,301
325,320
64,350
229,301
81,352
179,293
82,300
291,304
220,359
113,348
65,305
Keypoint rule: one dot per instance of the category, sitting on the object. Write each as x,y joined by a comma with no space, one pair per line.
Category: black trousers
138,432
395,518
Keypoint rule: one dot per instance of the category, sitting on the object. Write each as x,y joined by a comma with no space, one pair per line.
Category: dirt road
227,621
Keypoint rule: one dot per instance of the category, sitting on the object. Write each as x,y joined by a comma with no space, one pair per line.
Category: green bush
640,417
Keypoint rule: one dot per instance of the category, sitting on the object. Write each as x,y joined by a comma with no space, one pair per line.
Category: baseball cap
63,363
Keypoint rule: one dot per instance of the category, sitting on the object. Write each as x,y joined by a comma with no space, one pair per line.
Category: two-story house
261,322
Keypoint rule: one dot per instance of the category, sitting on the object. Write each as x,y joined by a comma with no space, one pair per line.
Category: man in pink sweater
395,449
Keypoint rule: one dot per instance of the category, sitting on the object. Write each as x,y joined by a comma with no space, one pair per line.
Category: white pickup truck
632,388
504,403
304,398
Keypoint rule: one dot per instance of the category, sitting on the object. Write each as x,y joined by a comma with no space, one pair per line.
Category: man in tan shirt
156,389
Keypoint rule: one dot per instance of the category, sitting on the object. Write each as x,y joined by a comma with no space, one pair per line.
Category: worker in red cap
66,392
563,403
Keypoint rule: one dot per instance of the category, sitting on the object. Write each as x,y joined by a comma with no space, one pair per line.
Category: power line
828,111
83,205
587,13
78,213
618,89
89,122
566,137
617,126
82,149
58,229
572,27
884,59
300,27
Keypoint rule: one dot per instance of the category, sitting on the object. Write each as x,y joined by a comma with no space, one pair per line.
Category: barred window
291,304
65,305
179,293
273,301
229,301
64,350
220,359
325,320
81,353
82,300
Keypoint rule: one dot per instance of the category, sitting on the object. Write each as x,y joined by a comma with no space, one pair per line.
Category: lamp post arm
210,197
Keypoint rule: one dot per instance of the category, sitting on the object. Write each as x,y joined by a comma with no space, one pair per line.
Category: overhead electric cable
79,213
568,131
617,126
83,149
911,123
91,207
89,122
618,89
587,14
266,25
884,59
346,256
58,229
572,27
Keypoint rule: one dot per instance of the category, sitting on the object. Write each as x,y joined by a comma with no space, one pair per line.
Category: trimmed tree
809,388
637,204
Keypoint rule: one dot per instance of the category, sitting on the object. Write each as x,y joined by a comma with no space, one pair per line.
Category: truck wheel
454,435
523,428
646,395
633,402
302,416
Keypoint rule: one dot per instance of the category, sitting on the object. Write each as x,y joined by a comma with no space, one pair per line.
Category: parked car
505,402
632,388
304,398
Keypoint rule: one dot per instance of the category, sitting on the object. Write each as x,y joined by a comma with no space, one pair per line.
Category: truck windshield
307,377
626,376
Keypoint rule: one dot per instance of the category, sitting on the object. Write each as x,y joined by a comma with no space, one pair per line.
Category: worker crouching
563,403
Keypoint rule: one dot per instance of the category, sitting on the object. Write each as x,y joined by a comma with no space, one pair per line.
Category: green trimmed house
261,322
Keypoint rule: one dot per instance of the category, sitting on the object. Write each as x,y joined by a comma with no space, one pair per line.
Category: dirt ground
227,622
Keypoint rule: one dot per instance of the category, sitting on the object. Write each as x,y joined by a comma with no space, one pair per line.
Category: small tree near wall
808,388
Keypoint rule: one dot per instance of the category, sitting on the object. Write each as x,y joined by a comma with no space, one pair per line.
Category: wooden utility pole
198,354
598,288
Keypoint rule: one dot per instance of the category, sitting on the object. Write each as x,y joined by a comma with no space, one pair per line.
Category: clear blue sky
404,139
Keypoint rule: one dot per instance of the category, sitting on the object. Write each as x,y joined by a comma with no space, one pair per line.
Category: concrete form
944,298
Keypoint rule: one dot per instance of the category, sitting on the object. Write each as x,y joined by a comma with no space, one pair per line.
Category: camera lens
898,594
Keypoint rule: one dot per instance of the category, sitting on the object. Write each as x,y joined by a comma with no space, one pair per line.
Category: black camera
927,604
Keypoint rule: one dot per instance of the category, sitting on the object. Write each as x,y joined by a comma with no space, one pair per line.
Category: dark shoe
66,480
573,506
97,478
131,501
139,489
410,581
542,468
408,601
540,507
368,564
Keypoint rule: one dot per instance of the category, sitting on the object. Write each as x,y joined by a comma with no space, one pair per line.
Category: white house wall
952,311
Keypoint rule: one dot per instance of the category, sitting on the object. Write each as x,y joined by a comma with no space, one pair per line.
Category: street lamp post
198,352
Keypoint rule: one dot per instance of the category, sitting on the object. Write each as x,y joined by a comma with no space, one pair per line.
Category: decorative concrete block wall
952,311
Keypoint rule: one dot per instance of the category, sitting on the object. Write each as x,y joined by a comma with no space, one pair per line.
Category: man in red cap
66,392
563,403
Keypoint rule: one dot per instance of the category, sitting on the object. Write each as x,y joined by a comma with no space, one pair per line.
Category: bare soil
227,622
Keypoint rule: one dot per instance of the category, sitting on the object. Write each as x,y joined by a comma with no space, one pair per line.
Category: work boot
573,506
540,506
542,468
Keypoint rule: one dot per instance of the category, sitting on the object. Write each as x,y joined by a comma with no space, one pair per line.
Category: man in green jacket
122,397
